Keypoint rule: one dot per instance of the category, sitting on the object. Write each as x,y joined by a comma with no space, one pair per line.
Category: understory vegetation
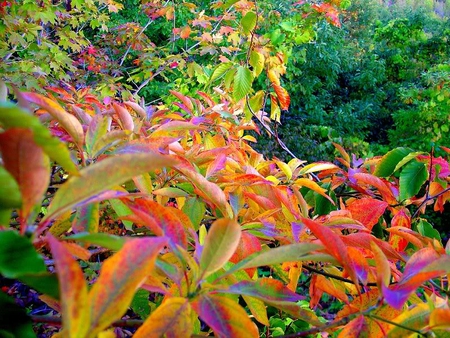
227,168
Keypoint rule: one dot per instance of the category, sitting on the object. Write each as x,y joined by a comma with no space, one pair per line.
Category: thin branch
319,329
426,200
57,321
138,35
342,279
395,324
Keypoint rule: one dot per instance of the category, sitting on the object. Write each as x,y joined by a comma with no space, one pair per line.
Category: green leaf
103,175
14,321
141,304
257,62
248,22
407,159
389,162
220,71
412,177
220,244
108,241
195,209
426,229
10,196
18,256
12,116
242,83
122,210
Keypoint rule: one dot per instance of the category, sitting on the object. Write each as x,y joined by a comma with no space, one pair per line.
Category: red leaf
382,186
28,164
248,245
357,328
334,245
367,211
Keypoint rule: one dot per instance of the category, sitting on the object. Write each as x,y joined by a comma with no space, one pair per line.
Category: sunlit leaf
101,239
74,295
367,210
248,22
103,175
10,196
67,121
242,83
412,177
257,62
220,244
266,289
389,162
120,277
315,167
87,218
225,316
28,164
172,319
357,328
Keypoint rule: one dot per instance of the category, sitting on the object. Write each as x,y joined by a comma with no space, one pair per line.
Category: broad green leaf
412,177
10,196
242,84
220,244
171,319
388,164
121,210
220,71
141,304
407,159
257,62
75,309
28,164
12,116
14,321
195,209
18,256
120,277
248,22
426,229
101,239
103,175
66,120
87,218
224,316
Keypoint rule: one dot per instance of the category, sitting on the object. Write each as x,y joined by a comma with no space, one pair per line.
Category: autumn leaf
28,164
74,295
367,210
119,278
225,316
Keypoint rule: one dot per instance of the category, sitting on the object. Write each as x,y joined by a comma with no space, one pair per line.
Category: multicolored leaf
103,175
172,319
75,308
224,316
28,164
119,278
367,210
220,244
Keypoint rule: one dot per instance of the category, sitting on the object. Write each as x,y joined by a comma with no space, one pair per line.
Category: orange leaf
75,310
185,32
327,286
310,184
367,211
172,319
283,96
440,319
67,121
357,328
382,264
225,316
28,164
378,183
119,278
124,116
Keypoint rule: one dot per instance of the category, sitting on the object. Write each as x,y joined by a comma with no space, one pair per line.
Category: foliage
164,221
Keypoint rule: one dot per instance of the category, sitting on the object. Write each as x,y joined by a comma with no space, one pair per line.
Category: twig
57,321
129,47
342,279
